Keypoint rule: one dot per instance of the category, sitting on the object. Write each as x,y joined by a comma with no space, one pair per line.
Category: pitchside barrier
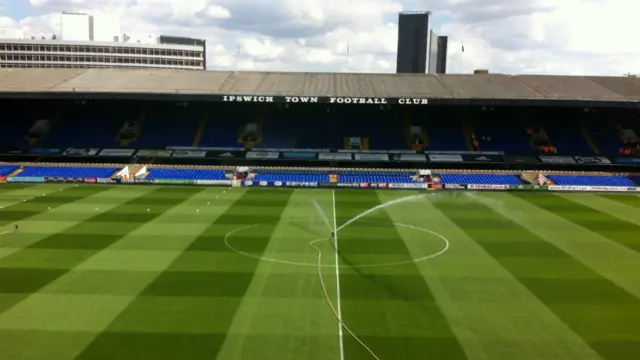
325,185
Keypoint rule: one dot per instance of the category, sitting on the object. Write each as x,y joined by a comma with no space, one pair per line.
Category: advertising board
299,155
589,188
334,156
410,157
407,186
262,155
627,160
455,186
116,152
213,182
487,187
189,154
80,152
63,180
167,182
557,159
371,157
154,153
445,158
592,160
45,151
305,184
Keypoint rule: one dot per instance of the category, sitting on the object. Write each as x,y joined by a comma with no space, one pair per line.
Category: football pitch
193,273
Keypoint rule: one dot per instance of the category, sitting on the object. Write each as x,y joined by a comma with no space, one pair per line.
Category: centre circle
228,240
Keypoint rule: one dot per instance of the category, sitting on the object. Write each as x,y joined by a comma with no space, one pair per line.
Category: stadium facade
96,42
413,38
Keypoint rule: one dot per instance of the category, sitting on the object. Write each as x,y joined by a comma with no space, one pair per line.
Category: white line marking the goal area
335,235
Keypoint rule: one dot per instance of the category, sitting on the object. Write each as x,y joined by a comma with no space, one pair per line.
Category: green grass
108,272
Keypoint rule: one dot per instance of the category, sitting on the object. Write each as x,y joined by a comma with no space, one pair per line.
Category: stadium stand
498,131
7,169
591,180
603,135
291,177
480,179
345,175
86,125
565,135
446,134
18,120
218,122
169,124
65,171
220,130
189,174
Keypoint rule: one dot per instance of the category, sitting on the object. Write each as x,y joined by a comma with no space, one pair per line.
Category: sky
573,37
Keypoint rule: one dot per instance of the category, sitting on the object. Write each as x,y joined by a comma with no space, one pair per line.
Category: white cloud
531,36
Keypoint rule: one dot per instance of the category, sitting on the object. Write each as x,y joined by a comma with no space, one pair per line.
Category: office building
441,57
433,52
438,54
413,38
88,41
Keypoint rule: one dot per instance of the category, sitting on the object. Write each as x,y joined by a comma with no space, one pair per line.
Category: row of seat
186,174
580,180
97,124
70,172
338,172
314,176
7,169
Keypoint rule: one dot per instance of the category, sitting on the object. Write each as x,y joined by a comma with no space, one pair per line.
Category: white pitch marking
280,261
335,235
14,203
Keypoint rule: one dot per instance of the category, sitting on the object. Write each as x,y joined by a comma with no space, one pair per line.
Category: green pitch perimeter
144,272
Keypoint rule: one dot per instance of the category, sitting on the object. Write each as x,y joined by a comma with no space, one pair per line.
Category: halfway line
335,235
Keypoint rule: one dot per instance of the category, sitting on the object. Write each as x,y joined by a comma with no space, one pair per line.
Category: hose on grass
333,309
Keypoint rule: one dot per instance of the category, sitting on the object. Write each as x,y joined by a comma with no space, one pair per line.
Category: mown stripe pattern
604,315
144,272
186,311
404,295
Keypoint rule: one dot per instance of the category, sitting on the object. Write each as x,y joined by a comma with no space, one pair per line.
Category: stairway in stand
201,125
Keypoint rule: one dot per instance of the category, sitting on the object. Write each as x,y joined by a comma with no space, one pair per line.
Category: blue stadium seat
345,176
292,177
186,174
7,169
591,180
480,179
169,125
70,172
566,135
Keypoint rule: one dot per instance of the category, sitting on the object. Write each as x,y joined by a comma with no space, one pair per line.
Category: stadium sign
588,188
323,99
557,159
592,160
455,186
487,187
